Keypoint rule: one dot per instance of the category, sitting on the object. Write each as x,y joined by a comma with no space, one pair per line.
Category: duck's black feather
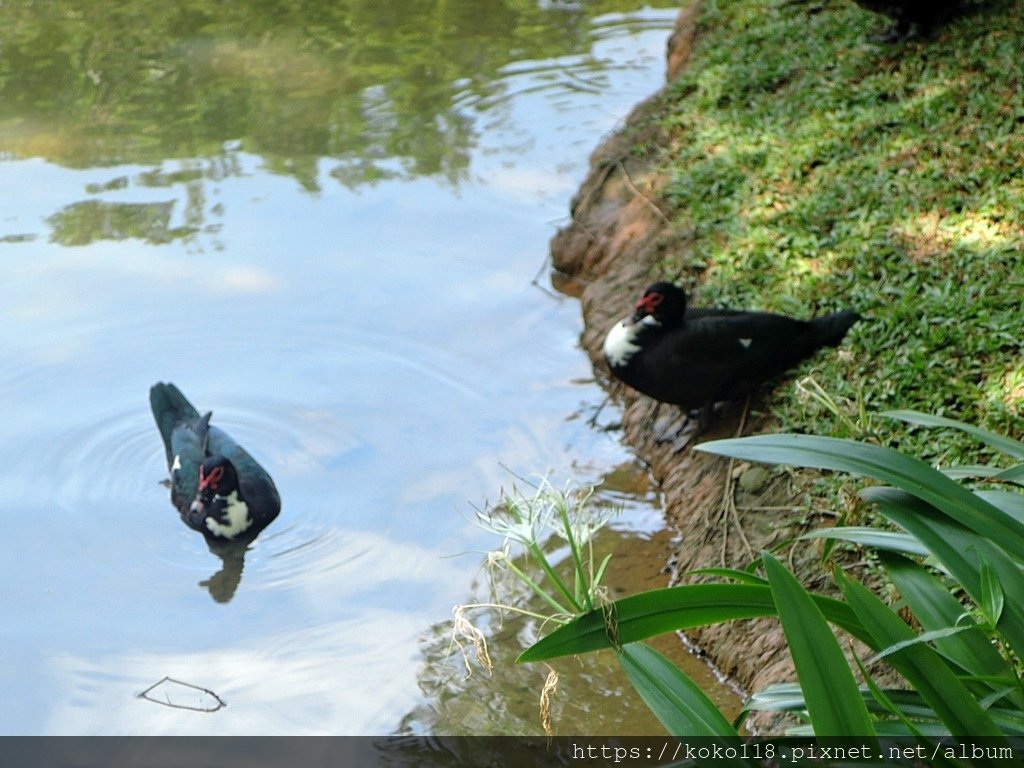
923,14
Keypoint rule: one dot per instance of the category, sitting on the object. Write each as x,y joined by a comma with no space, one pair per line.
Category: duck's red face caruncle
647,305
217,477
209,481
663,304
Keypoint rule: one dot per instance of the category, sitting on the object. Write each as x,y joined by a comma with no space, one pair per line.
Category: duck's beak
641,314
640,311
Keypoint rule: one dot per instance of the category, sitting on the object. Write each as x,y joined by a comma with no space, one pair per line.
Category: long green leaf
961,552
1014,474
924,638
883,700
1012,503
875,538
887,465
679,703
948,697
992,597
834,703
658,611
970,471
1001,443
935,608
788,697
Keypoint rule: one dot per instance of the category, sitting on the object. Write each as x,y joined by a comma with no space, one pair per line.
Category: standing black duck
697,357
217,487
910,14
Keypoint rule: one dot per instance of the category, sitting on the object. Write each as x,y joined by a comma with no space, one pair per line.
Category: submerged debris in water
174,693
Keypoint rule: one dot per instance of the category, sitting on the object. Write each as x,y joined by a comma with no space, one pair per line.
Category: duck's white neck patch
621,342
237,512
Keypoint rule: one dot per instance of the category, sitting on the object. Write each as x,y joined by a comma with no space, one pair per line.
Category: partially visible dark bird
217,487
697,357
922,14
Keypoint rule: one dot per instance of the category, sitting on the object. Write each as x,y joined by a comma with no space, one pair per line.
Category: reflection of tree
84,222
379,87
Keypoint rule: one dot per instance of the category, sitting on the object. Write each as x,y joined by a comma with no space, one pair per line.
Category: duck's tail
829,330
169,408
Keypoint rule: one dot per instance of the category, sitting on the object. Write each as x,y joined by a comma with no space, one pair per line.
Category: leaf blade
960,552
947,696
935,608
678,703
834,702
886,465
656,612
1001,443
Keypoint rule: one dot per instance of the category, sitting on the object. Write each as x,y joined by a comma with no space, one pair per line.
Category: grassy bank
820,170
816,170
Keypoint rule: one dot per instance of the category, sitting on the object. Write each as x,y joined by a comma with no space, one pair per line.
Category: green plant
955,562
538,523
527,521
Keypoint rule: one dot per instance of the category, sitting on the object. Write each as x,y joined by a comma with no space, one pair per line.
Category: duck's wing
257,486
188,449
727,338
170,408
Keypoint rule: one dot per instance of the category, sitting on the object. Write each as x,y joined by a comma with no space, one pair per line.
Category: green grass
820,170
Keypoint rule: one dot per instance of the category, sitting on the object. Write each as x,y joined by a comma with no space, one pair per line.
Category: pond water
325,222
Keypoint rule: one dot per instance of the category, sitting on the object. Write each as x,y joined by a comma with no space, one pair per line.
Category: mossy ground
819,170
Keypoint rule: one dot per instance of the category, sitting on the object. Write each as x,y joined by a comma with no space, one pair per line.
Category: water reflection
224,583
324,218
81,223
386,91
306,681
353,94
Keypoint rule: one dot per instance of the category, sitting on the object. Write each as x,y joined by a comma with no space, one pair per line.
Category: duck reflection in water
224,583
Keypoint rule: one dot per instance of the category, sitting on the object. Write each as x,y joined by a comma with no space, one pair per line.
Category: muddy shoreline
725,513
